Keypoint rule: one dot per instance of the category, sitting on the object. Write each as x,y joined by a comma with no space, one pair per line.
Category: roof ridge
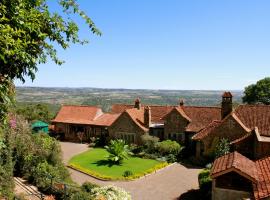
201,106
253,105
92,106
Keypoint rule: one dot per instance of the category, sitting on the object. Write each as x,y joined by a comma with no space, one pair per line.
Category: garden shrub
118,151
149,142
87,186
168,147
110,192
205,182
37,157
80,195
127,173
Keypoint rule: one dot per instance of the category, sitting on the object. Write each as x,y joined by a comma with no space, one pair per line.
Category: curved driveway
166,184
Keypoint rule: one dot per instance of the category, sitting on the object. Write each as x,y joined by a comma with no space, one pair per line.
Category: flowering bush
110,193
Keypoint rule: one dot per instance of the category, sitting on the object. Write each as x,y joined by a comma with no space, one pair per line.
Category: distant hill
106,97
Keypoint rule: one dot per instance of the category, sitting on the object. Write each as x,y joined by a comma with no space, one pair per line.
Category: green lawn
94,162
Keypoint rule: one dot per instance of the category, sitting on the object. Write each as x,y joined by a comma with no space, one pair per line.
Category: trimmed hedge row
104,177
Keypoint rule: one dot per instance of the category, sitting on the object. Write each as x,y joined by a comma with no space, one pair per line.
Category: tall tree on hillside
29,32
258,93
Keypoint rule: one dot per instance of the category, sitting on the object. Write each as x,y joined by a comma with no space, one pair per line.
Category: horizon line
66,87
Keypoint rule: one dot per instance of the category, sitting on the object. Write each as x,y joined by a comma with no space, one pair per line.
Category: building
136,120
72,122
247,128
177,123
183,122
236,177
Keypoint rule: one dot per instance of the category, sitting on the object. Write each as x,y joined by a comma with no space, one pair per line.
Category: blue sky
167,44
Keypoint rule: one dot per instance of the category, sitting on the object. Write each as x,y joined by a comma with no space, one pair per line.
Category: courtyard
166,184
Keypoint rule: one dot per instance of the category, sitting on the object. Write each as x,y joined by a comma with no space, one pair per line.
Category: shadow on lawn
106,163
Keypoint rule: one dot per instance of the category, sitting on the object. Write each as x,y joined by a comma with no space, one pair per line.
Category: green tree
222,148
118,150
258,93
34,112
29,30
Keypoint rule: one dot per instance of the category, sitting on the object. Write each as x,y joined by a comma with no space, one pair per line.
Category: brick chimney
137,104
226,105
181,102
147,116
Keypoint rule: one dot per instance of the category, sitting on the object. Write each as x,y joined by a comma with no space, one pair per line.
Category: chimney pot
226,105
137,104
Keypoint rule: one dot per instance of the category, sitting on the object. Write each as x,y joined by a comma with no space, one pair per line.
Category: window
128,137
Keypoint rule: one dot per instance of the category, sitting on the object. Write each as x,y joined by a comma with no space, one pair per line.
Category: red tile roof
119,108
157,112
180,110
262,187
250,117
258,172
77,114
235,162
255,116
86,115
105,120
201,116
137,115
207,130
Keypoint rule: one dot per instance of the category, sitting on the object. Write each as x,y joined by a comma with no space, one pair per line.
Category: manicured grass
95,163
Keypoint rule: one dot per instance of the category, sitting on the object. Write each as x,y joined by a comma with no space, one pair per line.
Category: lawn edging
101,177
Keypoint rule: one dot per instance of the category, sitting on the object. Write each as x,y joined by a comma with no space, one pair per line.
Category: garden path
166,184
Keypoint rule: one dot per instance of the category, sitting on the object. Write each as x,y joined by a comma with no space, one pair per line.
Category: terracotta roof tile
201,116
137,115
255,116
77,114
105,119
262,187
157,112
207,130
235,162
258,172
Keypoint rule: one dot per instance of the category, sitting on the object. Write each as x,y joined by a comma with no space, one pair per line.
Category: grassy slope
96,160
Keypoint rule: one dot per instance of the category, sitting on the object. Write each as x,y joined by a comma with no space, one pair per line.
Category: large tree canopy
258,93
28,31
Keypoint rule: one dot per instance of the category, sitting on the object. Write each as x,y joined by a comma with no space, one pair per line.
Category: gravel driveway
167,184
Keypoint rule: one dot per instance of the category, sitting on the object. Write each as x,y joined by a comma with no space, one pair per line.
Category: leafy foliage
149,142
37,157
258,93
168,147
118,150
127,173
34,112
88,187
110,192
205,183
28,30
222,148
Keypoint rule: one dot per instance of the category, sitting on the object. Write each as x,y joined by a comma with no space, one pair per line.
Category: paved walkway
167,184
